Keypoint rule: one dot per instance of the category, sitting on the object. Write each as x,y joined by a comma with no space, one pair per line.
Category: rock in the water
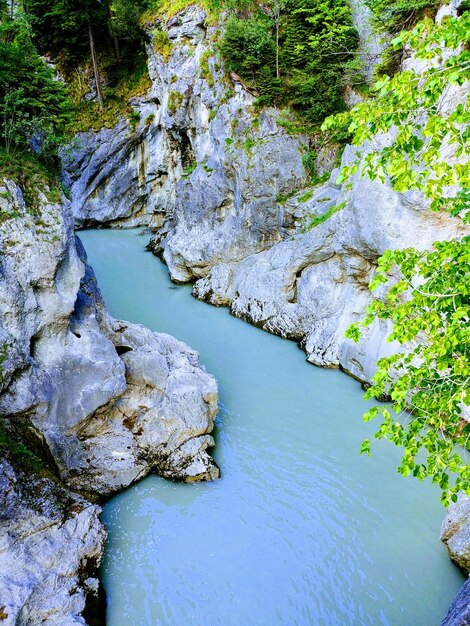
455,532
459,611
51,543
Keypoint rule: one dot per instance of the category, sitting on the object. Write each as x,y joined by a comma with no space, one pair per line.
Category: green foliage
429,304
319,45
77,32
60,27
21,454
432,379
206,72
32,176
87,113
247,45
282,198
309,161
316,220
161,43
175,100
308,195
124,19
168,8
189,169
392,16
412,103
34,107
311,41
269,87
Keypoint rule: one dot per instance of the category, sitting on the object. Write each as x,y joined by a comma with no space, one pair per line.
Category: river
300,529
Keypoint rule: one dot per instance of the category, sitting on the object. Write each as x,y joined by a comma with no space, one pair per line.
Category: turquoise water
300,530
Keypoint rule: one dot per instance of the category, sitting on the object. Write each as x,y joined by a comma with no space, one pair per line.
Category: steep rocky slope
202,166
312,286
51,542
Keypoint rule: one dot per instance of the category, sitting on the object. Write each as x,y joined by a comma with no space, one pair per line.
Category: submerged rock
51,543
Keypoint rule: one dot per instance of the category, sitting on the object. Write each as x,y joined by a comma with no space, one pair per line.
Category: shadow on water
300,529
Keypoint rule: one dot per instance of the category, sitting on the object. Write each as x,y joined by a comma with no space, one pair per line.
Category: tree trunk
277,46
116,48
96,68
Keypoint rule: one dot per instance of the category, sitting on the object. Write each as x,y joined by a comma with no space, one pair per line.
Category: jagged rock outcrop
77,378
103,401
459,610
51,543
202,166
455,532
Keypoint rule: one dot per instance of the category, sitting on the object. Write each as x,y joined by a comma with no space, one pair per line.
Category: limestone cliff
225,190
202,167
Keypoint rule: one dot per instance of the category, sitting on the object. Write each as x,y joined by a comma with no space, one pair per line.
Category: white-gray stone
51,543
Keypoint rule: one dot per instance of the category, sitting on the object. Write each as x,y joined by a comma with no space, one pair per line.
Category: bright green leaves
430,149
427,115
429,382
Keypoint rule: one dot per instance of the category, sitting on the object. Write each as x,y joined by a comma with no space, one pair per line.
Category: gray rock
111,401
202,167
312,286
51,543
459,611
455,532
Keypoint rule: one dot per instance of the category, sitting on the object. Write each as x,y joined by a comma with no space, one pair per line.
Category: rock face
202,166
106,402
78,378
51,542
312,286
455,532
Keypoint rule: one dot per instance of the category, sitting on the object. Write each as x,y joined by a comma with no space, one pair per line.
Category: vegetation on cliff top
295,52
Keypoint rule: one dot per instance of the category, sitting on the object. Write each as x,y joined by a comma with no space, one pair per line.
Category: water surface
300,530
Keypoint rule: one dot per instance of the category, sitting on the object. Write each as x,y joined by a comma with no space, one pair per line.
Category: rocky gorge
225,190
